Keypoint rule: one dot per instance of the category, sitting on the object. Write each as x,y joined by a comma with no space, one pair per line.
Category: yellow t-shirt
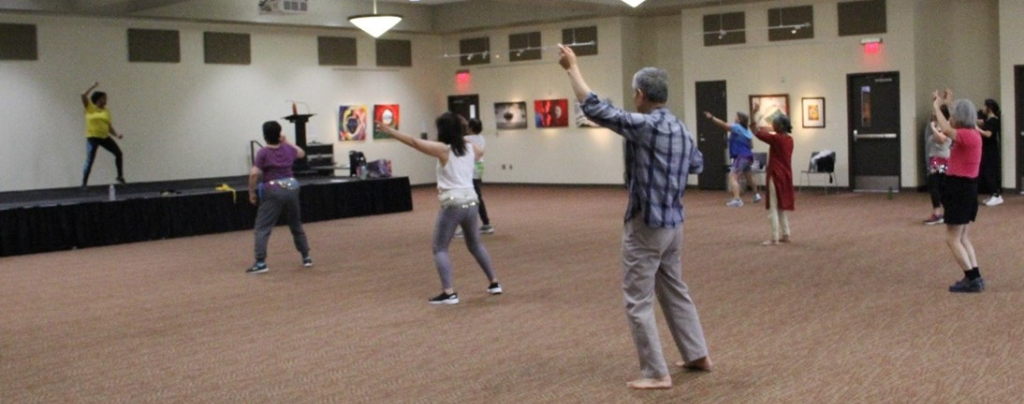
97,122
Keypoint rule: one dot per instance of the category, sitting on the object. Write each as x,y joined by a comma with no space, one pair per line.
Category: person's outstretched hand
387,130
566,57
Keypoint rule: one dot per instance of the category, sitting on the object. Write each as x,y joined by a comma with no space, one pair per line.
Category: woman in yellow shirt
97,132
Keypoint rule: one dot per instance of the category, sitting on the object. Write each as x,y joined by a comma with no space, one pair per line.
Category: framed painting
352,122
510,115
551,113
765,108
813,109
386,114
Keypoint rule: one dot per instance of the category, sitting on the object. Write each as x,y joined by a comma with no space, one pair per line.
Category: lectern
299,120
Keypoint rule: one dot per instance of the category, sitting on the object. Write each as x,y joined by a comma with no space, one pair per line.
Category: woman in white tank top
455,164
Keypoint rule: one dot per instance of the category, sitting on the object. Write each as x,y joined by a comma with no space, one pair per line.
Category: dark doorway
1018,101
874,131
466,105
711,139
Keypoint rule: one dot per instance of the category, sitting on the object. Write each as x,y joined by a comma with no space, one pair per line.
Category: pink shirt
965,155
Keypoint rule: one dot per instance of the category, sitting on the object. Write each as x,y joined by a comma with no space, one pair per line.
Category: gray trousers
277,201
651,266
444,229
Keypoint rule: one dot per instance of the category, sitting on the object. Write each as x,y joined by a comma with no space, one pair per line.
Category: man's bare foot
784,239
770,243
651,384
700,365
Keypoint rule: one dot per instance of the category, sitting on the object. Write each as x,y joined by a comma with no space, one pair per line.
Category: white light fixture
375,24
633,3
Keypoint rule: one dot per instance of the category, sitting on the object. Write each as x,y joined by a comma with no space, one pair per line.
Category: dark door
711,139
1018,85
466,105
874,131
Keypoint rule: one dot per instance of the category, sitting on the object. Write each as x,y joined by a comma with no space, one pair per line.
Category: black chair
824,166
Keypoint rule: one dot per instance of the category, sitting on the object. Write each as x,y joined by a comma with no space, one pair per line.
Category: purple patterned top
276,163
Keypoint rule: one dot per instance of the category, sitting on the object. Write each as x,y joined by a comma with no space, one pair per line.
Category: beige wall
551,156
1011,53
190,119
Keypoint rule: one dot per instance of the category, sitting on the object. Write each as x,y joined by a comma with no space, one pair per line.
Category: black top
991,143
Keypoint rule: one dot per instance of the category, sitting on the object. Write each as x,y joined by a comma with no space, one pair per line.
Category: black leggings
935,188
90,155
480,198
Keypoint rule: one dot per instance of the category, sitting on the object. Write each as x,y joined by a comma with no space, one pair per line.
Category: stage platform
67,218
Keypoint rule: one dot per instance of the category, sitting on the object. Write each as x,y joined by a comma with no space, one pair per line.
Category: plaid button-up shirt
660,155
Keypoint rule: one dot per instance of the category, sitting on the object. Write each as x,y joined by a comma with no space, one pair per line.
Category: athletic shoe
494,288
307,262
735,203
458,233
258,268
968,286
934,219
445,298
994,201
757,198
487,229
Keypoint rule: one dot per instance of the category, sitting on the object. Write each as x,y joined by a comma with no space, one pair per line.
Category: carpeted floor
854,311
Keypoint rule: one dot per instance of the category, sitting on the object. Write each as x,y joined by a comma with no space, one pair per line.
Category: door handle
875,136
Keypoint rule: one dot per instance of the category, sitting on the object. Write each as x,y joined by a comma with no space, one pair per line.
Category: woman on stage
459,203
97,132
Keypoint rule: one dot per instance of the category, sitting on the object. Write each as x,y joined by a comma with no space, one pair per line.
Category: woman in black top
990,178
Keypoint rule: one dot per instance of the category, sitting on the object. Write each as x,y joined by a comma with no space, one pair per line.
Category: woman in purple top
271,174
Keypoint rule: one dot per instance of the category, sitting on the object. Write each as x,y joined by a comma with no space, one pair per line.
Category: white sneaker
735,203
757,197
994,201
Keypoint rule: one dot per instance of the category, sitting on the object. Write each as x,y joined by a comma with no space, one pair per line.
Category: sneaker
994,201
968,286
258,268
494,288
445,298
487,229
735,203
757,198
307,262
458,233
934,219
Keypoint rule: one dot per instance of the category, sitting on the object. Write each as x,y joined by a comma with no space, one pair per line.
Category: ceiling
526,11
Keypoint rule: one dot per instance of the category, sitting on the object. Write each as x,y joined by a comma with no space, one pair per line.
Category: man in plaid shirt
660,155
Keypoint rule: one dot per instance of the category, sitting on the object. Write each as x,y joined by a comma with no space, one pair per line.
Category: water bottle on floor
111,193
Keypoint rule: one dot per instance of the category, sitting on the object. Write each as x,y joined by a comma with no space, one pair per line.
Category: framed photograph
386,114
510,115
765,108
814,111
352,122
551,113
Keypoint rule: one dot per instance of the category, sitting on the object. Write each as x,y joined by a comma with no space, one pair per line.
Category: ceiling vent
284,6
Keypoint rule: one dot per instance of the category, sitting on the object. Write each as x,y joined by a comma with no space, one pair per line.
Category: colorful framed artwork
551,113
352,122
387,114
814,112
510,115
765,108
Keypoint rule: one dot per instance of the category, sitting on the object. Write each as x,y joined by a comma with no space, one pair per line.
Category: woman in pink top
960,190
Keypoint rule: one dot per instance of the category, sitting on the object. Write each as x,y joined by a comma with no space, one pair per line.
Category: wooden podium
301,166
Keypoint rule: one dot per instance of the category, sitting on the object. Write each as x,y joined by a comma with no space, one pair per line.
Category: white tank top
455,179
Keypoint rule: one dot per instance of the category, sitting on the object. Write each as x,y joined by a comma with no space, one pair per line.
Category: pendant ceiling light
375,24
633,3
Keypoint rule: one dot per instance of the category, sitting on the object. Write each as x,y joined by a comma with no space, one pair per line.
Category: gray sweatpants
277,201
651,266
447,220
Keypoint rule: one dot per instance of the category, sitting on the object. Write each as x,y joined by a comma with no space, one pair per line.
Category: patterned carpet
854,311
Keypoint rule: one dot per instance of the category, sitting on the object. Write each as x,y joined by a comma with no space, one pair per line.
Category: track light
633,3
